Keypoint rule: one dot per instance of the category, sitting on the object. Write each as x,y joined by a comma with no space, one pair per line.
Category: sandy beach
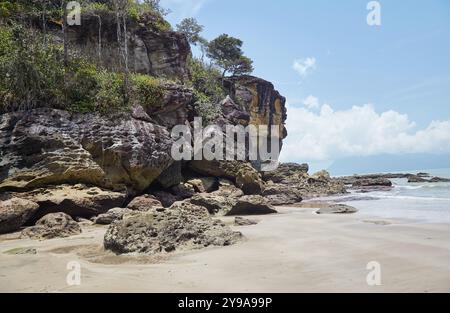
294,251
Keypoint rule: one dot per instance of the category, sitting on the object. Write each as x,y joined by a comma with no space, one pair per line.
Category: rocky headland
61,168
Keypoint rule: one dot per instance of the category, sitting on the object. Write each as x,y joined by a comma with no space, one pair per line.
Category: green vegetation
208,91
38,70
146,90
34,75
227,54
192,29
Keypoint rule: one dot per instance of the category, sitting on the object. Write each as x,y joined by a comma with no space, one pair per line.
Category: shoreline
294,251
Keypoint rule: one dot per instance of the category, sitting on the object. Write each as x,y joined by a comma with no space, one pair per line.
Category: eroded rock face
14,213
152,51
76,201
259,100
243,174
252,205
45,147
183,226
53,226
174,107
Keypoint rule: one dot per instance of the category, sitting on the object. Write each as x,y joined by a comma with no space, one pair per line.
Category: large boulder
53,226
242,173
252,205
44,147
214,203
14,213
279,194
76,201
183,226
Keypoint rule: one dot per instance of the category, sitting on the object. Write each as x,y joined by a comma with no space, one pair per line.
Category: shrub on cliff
146,91
208,91
33,75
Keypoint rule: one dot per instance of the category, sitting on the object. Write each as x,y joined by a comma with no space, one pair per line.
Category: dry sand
294,251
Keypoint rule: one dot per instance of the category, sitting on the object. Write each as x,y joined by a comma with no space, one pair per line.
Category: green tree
226,52
192,29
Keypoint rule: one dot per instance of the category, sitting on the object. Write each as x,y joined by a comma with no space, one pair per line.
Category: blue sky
396,74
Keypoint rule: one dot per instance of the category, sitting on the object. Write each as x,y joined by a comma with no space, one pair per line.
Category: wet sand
294,251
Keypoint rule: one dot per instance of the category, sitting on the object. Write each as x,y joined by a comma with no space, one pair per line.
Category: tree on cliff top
192,29
226,52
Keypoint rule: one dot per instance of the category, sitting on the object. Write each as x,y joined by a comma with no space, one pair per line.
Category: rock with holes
77,200
182,226
43,147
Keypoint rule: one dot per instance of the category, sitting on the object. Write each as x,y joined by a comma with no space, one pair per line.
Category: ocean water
416,202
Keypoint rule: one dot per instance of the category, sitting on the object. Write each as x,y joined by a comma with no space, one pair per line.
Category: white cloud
360,131
184,8
304,66
311,102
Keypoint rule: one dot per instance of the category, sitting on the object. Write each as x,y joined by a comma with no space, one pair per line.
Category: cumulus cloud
311,102
184,8
360,131
304,66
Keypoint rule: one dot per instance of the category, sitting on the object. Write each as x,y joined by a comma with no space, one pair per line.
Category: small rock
21,251
204,184
337,209
144,203
240,221
111,216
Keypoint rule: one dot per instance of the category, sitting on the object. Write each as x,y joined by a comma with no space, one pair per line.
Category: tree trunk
125,45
